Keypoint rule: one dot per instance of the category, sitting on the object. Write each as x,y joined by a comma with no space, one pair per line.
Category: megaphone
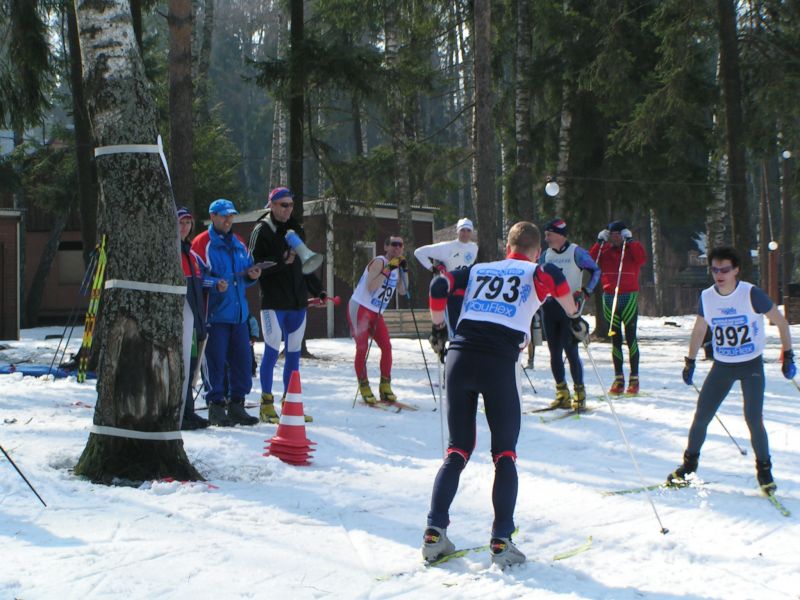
311,260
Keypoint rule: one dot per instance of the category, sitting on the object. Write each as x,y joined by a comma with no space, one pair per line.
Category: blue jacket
222,257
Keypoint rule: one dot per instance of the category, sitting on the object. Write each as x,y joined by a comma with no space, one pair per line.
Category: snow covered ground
350,526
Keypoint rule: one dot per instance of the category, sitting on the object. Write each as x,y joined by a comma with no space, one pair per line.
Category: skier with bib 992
500,299
734,310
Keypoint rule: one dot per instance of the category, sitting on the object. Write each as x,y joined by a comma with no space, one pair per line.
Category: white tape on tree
157,436
143,286
157,148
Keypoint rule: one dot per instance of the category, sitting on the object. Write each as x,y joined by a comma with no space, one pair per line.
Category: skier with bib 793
500,299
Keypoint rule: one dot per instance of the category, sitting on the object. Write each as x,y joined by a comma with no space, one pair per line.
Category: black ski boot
238,415
678,477
217,415
764,476
192,421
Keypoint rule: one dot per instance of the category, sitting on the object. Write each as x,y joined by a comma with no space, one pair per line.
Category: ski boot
678,477
436,544
633,385
563,399
192,421
618,387
385,390
217,415
238,415
267,412
764,476
366,392
308,418
505,553
579,399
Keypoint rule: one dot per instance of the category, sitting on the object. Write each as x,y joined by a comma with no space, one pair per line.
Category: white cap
464,224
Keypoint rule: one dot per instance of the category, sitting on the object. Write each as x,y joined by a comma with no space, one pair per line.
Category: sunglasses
396,244
285,204
723,270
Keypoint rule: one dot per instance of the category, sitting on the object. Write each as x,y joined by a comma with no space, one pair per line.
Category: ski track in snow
350,525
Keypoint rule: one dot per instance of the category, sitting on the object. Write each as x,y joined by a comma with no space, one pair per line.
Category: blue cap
222,207
557,225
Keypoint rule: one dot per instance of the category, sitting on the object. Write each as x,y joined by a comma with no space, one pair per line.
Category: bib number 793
492,286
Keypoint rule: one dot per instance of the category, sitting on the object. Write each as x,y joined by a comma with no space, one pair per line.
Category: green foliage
49,173
216,165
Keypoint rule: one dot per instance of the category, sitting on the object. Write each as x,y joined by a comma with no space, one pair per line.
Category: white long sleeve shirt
453,255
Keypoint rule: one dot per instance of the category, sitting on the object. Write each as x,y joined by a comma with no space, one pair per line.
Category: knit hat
183,212
617,226
557,225
278,193
464,224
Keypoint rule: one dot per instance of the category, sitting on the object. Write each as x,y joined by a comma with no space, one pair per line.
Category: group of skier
481,317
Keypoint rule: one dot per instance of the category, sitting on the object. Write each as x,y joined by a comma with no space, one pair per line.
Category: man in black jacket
284,294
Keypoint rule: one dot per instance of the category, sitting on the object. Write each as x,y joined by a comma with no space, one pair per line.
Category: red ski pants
364,324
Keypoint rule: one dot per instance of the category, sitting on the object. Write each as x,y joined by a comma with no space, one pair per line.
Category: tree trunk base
109,459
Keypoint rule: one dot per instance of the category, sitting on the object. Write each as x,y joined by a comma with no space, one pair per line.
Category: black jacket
283,287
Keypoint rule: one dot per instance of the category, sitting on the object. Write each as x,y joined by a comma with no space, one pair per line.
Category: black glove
788,368
323,295
580,328
438,338
688,370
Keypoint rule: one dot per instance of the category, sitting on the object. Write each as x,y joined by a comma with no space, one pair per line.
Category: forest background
680,118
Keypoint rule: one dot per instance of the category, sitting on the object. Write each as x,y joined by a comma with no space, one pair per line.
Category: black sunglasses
396,244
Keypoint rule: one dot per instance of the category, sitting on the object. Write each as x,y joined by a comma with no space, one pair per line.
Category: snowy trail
350,525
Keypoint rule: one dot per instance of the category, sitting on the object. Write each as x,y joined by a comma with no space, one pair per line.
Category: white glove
603,236
626,234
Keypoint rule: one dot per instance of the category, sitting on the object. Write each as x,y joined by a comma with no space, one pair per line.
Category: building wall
9,275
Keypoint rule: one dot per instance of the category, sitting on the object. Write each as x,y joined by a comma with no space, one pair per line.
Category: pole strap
157,148
143,286
135,435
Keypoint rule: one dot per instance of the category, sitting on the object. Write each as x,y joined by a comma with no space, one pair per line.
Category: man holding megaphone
285,289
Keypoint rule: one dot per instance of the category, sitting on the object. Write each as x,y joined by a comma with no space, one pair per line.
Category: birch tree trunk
564,140
485,201
658,261
140,374
296,108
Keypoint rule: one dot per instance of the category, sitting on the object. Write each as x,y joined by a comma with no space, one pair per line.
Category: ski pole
664,530
741,450
611,331
441,404
73,315
419,339
796,384
21,474
524,370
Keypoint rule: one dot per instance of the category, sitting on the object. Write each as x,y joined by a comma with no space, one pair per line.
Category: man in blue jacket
227,270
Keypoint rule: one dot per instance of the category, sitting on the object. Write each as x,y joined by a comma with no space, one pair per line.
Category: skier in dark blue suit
500,299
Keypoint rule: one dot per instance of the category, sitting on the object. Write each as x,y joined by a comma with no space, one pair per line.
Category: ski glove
398,262
438,338
788,367
688,370
626,235
580,329
603,236
323,295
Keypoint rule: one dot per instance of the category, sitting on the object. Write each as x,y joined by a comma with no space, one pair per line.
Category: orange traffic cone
290,443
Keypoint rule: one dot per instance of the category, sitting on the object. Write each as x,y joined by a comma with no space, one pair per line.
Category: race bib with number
501,292
737,330
378,300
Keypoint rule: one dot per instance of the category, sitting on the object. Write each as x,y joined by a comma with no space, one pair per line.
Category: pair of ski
394,407
568,413
587,545
769,495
